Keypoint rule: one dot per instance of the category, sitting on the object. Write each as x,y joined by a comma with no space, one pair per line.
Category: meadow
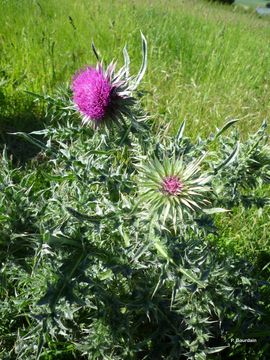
208,64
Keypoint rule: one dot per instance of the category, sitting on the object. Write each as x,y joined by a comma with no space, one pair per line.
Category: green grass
207,63
252,3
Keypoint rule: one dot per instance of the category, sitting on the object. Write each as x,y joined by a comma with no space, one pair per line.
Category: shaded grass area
207,63
19,114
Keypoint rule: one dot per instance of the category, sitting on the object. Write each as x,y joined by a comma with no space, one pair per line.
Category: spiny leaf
216,349
144,63
163,252
83,217
127,61
225,127
214,211
30,139
95,50
231,158
180,132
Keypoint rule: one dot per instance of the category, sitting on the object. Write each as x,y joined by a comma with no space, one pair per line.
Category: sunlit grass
206,62
252,3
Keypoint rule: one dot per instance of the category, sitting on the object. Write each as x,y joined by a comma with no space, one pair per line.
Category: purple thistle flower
92,93
172,185
101,95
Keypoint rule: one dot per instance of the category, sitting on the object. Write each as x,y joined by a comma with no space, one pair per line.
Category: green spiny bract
173,190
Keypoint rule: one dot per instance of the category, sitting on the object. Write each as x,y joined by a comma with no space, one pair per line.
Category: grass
252,3
207,63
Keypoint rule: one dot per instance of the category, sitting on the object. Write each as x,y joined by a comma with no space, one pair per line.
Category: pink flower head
172,185
92,93
102,95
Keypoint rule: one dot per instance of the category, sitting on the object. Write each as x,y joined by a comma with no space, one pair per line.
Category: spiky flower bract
103,96
171,189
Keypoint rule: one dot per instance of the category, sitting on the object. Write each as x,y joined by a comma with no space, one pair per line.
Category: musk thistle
171,189
103,96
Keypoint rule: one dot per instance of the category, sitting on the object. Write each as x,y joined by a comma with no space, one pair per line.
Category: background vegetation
208,63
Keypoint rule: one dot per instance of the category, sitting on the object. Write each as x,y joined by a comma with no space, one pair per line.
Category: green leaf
144,63
180,132
58,178
95,51
39,132
216,349
127,61
83,217
108,274
39,96
231,158
30,139
62,240
191,277
225,127
124,236
162,251
214,211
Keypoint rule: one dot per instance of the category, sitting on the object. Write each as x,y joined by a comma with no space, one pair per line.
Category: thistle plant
104,96
93,277
172,189
248,168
